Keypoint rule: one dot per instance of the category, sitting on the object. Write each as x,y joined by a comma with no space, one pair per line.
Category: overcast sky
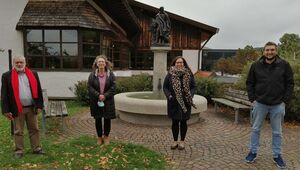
241,22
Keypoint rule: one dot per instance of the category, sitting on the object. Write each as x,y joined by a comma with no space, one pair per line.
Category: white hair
19,57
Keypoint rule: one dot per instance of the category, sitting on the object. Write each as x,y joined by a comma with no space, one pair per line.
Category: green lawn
74,107
78,153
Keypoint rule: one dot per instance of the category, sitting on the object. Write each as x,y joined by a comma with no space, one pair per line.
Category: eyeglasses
179,62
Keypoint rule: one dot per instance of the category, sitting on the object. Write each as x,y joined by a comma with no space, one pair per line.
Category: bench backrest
237,96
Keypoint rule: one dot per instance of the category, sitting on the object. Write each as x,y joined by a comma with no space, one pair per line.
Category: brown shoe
181,145
106,140
100,141
174,145
39,152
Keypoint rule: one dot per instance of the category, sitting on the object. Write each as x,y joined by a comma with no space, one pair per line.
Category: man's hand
9,116
253,103
101,97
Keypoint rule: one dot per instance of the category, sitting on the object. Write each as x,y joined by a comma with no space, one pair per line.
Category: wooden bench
53,108
236,99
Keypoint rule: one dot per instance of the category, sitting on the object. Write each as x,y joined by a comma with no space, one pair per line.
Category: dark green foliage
241,84
293,108
81,92
142,82
208,87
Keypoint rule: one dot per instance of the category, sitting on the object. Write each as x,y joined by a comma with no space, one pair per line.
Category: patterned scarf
176,74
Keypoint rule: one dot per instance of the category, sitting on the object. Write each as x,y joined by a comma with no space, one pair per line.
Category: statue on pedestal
160,29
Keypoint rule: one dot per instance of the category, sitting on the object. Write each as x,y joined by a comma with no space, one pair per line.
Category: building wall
10,12
191,57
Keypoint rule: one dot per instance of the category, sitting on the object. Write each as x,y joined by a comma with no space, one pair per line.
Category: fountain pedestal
159,67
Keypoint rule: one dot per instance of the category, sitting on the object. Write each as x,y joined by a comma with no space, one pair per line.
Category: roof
62,13
121,12
197,24
204,74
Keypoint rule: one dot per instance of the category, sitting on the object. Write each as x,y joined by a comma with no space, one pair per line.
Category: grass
77,153
74,107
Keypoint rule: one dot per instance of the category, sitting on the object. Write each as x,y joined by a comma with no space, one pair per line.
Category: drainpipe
217,31
201,47
10,68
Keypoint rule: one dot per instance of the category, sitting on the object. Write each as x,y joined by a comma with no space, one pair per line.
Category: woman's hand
101,97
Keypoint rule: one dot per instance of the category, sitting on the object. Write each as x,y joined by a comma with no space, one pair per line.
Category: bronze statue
161,28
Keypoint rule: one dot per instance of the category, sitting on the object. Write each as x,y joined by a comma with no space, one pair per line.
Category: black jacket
8,103
270,84
108,111
174,109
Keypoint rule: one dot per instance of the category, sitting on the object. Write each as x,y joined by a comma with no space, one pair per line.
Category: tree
235,64
289,45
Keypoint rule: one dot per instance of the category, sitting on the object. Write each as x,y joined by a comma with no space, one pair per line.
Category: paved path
212,143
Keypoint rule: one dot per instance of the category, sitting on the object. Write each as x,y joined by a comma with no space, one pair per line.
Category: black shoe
39,152
279,162
18,155
250,158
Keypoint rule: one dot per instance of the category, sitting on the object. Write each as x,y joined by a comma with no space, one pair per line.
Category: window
52,48
63,49
91,47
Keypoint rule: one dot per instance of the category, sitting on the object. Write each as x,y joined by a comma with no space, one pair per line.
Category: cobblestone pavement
215,142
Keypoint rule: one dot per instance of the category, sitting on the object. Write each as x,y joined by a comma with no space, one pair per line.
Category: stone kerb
151,112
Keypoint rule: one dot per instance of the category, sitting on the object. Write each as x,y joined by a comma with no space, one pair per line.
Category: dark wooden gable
185,33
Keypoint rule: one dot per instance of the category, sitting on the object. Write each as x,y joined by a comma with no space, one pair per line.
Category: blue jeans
258,115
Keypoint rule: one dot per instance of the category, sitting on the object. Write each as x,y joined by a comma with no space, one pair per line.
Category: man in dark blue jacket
270,86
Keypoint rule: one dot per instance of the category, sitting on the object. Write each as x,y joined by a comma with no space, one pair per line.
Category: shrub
208,87
81,92
142,82
293,108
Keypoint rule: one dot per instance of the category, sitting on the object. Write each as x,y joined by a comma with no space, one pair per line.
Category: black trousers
106,127
175,129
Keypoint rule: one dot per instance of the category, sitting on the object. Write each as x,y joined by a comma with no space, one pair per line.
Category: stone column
159,67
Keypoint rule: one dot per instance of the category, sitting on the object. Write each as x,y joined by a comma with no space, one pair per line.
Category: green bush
293,108
208,87
142,82
81,92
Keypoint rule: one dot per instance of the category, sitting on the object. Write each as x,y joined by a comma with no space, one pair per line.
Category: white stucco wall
191,57
10,38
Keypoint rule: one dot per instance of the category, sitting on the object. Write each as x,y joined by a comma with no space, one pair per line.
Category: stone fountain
150,107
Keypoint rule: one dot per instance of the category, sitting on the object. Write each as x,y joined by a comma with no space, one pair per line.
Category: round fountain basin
143,108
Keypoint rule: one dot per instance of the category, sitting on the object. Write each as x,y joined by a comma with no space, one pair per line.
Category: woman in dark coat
101,85
179,88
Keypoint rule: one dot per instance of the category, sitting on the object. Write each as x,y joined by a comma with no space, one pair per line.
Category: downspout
201,47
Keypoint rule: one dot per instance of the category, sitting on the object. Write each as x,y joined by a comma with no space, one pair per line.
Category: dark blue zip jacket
270,84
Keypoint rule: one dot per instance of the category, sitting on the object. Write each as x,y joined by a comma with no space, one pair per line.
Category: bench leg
236,119
62,122
44,121
216,106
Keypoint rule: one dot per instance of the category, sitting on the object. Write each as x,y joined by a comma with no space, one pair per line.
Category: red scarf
15,86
